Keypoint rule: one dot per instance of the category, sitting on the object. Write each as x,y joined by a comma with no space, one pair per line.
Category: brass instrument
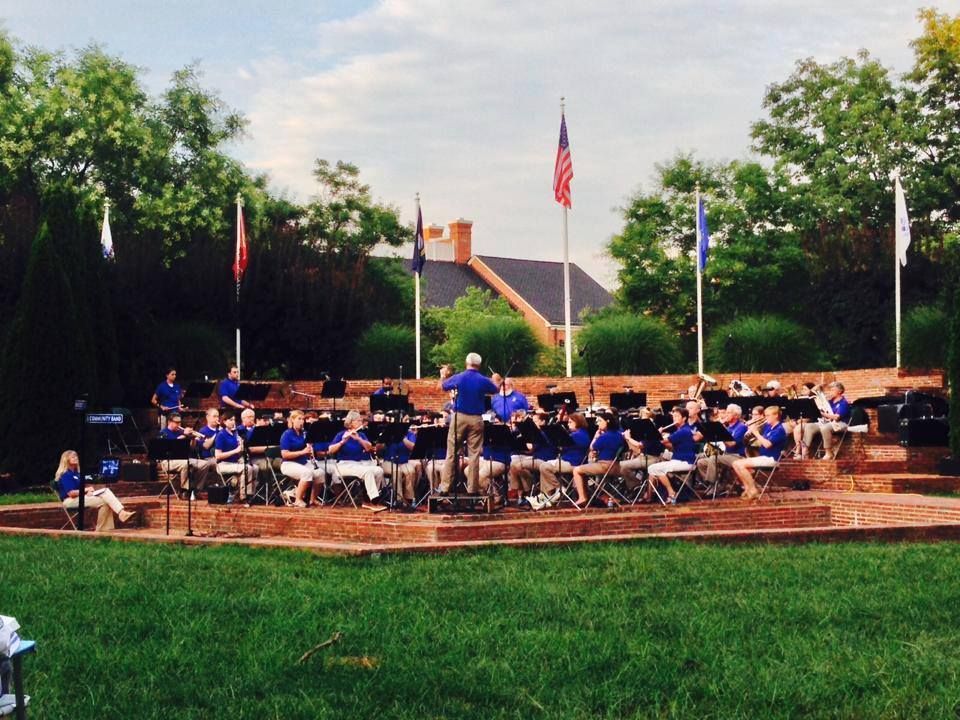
738,388
820,398
792,393
702,382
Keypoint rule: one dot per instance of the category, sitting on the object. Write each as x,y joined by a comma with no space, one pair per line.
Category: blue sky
460,100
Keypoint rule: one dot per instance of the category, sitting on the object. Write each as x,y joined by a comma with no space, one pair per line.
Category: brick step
920,483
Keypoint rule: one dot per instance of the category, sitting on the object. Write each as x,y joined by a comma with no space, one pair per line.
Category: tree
479,322
756,343
620,343
46,365
382,349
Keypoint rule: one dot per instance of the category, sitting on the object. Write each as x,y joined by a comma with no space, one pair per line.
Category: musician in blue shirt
605,450
643,454
229,390
522,467
354,456
830,423
180,467
570,457
68,486
708,467
772,438
166,398
229,452
299,462
386,387
467,422
404,472
508,400
682,443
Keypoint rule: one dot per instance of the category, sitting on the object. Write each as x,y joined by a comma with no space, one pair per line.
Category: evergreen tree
44,368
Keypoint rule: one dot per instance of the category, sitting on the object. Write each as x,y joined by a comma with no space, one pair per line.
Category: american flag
563,170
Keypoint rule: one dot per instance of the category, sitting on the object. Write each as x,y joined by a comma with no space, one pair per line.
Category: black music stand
716,398
265,436
551,401
254,392
629,400
390,434
388,403
714,433
162,449
668,405
199,390
429,440
497,436
322,432
334,390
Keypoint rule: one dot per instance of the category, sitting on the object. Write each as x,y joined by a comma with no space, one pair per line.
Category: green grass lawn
641,630
22,498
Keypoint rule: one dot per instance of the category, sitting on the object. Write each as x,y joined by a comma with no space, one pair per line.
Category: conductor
470,387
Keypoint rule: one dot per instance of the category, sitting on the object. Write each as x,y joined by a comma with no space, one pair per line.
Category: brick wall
426,393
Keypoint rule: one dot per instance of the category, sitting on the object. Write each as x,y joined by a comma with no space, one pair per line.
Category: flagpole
416,313
896,267
237,264
567,332
699,287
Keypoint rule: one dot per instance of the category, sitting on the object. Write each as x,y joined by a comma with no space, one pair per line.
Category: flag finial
240,199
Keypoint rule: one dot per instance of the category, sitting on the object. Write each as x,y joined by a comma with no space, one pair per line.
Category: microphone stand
593,397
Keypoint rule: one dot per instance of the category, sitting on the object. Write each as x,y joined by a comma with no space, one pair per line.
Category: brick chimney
461,232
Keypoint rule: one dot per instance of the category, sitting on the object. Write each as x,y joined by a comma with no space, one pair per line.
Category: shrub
762,343
922,341
625,344
503,342
382,349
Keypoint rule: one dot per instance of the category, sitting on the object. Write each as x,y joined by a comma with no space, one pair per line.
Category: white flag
106,237
903,225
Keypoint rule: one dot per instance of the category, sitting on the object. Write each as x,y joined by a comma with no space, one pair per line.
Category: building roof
444,282
540,283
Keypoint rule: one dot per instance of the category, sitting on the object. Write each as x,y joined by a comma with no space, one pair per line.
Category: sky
460,101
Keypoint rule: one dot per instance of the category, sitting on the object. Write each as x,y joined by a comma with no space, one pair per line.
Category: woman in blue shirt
570,458
682,443
68,485
605,450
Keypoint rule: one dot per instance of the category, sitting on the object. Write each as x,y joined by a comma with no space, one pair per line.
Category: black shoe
407,508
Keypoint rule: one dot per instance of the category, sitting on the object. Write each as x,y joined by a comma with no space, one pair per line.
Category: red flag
240,257
563,170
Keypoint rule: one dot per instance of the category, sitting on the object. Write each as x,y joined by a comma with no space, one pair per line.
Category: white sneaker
553,499
535,501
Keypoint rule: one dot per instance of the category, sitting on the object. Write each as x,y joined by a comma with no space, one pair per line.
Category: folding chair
280,482
55,489
858,426
766,475
603,483
350,484
16,703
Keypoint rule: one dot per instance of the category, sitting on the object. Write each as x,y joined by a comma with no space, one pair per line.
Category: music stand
322,432
388,403
714,433
391,434
429,440
199,390
716,398
265,436
160,449
668,405
551,401
629,400
335,390
254,392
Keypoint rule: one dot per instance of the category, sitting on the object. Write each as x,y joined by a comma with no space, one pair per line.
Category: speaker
134,472
924,432
217,495
890,416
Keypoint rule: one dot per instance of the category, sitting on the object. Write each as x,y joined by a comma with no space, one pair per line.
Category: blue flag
703,234
419,248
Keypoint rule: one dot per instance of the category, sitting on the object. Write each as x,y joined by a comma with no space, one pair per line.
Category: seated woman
354,456
299,462
68,482
605,449
570,458
771,438
682,442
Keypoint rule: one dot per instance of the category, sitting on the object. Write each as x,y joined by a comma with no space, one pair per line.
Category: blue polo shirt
398,452
382,391
576,453
70,480
841,407
168,434
498,454
777,434
607,444
684,448
471,386
293,441
168,395
207,432
737,432
229,388
351,450
225,442
505,405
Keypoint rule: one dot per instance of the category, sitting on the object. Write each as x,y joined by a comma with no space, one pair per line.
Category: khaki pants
105,502
709,467
366,470
490,469
630,470
226,469
522,468
469,428
548,475
405,476
824,429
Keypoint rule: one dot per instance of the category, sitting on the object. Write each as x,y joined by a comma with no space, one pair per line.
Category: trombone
702,381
